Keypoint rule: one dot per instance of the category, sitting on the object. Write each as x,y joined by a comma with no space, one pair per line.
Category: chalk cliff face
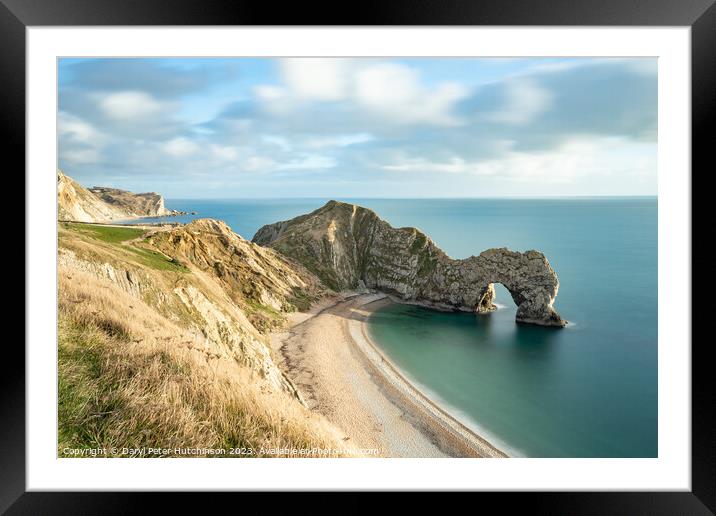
349,247
75,202
220,293
98,204
135,204
262,282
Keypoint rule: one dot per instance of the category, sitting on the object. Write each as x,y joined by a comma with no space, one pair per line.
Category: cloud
342,140
74,129
391,92
395,91
541,108
279,141
452,166
308,162
80,142
563,164
371,122
224,152
270,93
315,78
257,164
130,105
524,101
81,156
573,159
180,147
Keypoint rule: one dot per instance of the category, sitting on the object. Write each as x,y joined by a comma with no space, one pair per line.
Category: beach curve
341,374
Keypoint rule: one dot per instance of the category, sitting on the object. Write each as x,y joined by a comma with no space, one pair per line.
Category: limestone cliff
221,290
134,204
349,247
157,352
261,281
75,202
99,204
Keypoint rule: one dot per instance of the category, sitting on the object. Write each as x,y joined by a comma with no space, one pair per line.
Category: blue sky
371,127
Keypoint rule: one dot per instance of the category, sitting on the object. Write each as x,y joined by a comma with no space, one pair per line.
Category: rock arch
468,285
528,277
349,247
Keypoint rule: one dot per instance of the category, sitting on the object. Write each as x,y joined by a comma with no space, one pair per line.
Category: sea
588,390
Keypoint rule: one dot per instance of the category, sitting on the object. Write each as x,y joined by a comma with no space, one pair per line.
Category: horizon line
505,197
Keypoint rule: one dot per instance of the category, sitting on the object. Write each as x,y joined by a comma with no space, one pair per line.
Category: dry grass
130,378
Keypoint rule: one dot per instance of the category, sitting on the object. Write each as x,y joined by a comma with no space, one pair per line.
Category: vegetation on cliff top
153,352
131,237
122,387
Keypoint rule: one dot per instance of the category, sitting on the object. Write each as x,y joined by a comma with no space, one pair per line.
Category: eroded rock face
222,330
528,277
99,204
75,202
147,204
259,280
348,246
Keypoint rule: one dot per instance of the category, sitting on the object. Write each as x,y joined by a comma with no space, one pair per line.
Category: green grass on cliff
116,235
157,260
263,317
301,299
116,391
83,399
109,234
131,373
419,243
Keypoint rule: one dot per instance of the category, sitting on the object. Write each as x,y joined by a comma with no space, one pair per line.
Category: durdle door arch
530,280
347,246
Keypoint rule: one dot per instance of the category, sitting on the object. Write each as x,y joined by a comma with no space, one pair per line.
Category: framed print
445,248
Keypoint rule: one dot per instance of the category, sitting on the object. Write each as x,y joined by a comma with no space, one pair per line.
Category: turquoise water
589,390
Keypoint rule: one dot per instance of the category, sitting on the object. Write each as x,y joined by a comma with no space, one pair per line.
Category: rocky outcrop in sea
350,247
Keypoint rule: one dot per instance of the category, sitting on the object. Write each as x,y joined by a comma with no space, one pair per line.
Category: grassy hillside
145,255
153,353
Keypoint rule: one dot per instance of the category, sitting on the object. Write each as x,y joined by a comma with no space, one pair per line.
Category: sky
193,128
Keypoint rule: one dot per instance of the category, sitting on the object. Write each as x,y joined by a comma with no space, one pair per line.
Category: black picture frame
17,15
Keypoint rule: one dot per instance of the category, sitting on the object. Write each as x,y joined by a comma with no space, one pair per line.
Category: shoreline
460,432
341,374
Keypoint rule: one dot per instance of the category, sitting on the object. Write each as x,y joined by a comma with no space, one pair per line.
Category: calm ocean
589,390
